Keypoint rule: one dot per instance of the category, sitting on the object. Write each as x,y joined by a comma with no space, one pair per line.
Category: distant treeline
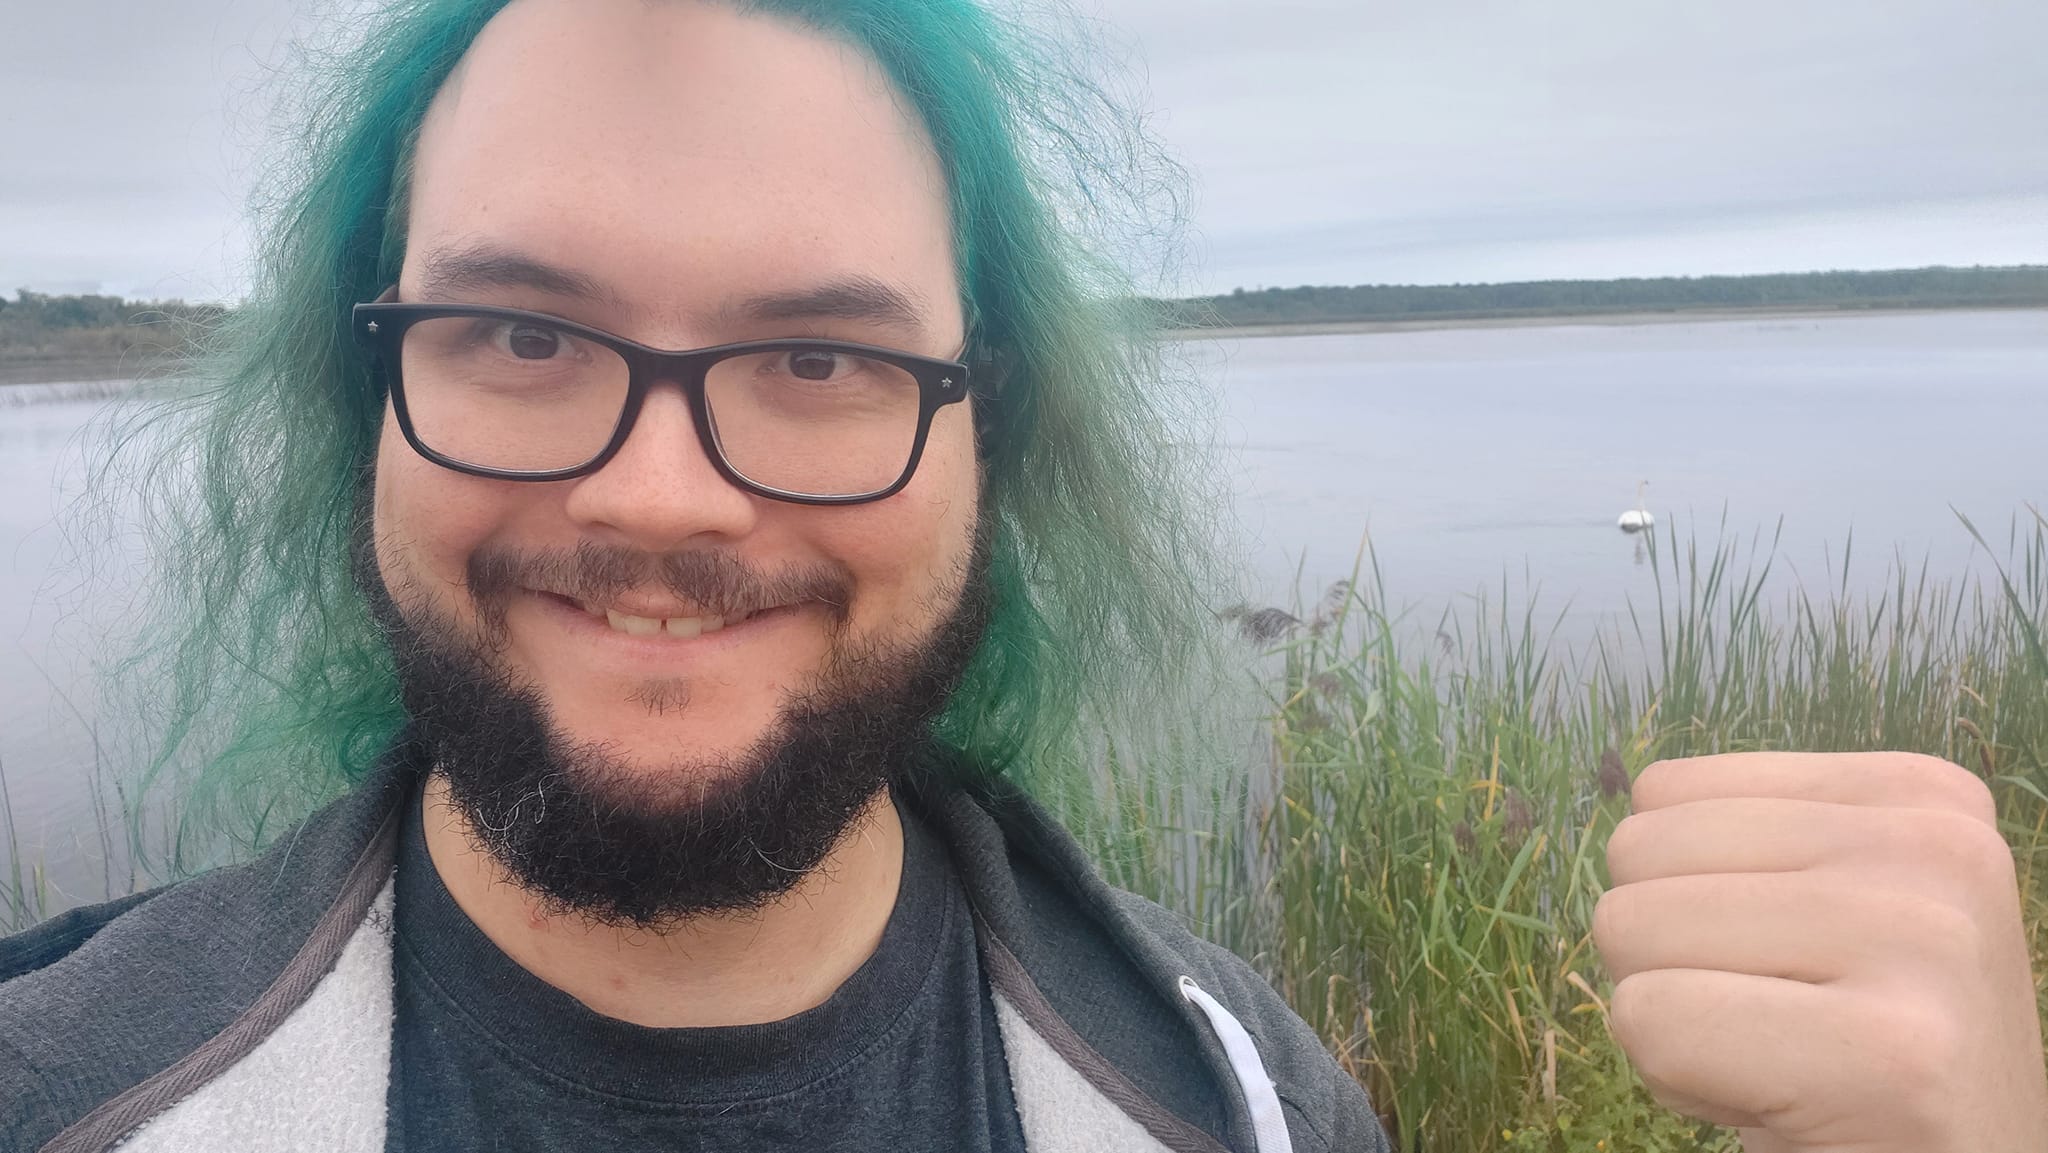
1910,288
47,337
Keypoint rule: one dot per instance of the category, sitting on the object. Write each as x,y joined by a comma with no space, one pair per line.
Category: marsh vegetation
1416,863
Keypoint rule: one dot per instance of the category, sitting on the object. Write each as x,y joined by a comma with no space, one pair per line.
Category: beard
652,846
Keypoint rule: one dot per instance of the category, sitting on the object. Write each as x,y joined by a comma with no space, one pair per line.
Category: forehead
680,154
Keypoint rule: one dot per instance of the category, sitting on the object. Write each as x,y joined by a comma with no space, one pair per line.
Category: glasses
516,395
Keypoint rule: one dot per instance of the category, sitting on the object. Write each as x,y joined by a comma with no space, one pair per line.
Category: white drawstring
1269,1125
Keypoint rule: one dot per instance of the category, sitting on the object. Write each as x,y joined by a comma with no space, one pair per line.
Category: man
702,684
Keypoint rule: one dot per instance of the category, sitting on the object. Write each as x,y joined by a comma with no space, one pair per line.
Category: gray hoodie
250,1008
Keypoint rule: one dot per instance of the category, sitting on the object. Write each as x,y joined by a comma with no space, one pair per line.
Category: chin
658,728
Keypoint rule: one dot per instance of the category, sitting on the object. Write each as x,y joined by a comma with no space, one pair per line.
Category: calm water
1467,455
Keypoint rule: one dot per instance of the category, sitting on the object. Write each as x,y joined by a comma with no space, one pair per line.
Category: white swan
1638,518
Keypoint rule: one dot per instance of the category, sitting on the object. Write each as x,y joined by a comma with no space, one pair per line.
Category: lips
677,621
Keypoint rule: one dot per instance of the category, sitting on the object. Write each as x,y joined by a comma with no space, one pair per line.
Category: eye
813,364
529,341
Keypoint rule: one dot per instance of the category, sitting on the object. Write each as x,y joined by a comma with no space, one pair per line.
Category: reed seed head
1614,779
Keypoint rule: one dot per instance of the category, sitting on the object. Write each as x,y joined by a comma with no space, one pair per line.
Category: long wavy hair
262,684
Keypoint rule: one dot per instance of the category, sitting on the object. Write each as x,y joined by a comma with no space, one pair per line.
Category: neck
721,969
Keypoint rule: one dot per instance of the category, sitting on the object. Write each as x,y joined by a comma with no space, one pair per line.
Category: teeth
673,626
634,626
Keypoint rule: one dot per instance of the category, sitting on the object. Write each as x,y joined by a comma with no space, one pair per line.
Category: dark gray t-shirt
905,1057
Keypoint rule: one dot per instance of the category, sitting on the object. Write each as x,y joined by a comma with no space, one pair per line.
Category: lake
1468,455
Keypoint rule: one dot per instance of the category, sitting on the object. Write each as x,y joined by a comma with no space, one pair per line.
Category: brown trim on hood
119,1116
1008,977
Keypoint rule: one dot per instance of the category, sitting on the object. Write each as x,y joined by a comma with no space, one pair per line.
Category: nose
660,492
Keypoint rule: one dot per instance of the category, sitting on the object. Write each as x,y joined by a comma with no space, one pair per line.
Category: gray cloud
1478,123
1331,140
130,139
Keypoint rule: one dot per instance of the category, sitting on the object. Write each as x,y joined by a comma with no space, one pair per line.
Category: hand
1826,952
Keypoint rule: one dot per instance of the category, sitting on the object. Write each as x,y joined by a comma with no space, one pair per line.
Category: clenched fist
1826,952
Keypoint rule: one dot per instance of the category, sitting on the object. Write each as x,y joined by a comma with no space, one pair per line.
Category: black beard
587,834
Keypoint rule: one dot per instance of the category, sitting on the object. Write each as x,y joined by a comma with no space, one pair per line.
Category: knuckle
1631,1018
1610,924
1948,785
1968,793
1917,1046
1624,848
1656,786
1990,857
1936,931
1954,932
1972,851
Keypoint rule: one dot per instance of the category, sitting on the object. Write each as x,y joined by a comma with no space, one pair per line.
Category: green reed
1415,864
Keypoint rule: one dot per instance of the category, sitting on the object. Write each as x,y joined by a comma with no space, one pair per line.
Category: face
681,175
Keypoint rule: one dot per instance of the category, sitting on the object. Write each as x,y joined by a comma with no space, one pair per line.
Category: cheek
947,487
905,548
427,520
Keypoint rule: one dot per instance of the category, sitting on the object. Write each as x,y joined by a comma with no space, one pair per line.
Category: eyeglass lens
523,396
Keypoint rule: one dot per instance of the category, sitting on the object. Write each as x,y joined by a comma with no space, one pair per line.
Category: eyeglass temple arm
990,369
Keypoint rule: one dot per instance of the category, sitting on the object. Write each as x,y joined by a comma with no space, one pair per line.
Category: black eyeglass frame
380,326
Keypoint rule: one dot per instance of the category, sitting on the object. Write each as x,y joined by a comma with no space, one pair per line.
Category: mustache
719,581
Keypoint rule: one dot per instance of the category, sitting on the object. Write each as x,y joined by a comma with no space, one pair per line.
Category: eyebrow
857,298
455,272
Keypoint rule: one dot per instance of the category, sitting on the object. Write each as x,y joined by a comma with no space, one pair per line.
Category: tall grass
1415,861
1415,865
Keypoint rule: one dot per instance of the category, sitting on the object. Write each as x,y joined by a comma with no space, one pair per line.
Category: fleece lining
318,1081
1061,1111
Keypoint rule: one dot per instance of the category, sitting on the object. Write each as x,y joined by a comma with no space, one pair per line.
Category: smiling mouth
638,626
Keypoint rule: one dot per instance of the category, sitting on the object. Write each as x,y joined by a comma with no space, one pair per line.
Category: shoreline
1568,320
27,393
83,371
80,371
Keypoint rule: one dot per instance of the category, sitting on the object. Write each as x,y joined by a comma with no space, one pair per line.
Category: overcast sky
1331,141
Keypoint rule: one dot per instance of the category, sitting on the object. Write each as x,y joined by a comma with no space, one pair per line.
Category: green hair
266,688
